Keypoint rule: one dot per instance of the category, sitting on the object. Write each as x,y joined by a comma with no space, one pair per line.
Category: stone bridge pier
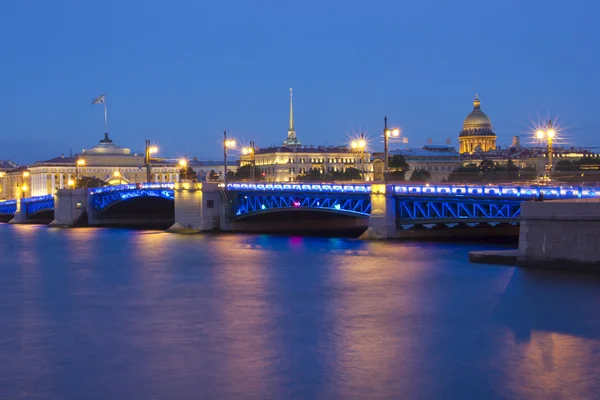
70,207
199,207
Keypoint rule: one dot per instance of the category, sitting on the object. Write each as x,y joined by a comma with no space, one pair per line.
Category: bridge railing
498,191
134,186
302,187
37,198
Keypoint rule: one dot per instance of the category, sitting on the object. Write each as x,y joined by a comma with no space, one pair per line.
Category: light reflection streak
246,318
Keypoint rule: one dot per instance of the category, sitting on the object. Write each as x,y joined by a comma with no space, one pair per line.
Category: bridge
251,205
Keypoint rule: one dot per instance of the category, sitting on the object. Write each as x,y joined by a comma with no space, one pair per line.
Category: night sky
180,72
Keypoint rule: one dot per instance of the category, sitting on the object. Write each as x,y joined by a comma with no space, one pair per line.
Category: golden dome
477,123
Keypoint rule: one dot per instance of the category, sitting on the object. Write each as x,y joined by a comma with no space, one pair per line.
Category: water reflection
101,313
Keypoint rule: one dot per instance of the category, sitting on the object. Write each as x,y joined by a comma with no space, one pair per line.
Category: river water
121,314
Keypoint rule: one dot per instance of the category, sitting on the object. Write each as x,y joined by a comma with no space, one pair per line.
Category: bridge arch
245,205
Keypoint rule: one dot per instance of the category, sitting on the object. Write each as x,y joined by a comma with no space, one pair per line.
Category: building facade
284,164
477,133
438,160
106,161
287,162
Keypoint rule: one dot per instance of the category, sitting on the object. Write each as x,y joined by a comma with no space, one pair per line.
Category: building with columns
106,161
477,133
284,163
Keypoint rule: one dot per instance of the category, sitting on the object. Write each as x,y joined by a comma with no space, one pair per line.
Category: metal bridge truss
34,205
419,210
102,200
8,207
251,203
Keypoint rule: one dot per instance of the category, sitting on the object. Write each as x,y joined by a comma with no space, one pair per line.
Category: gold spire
476,103
291,112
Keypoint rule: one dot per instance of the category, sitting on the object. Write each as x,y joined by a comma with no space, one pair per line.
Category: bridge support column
69,207
20,216
382,221
197,207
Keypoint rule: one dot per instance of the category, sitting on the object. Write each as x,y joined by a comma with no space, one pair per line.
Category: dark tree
245,173
312,175
397,167
188,173
213,175
420,175
89,182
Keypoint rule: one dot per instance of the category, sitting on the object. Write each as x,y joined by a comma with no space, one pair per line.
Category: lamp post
387,133
183,164
249,151
148,158
227,144
24,187
548,133
79,163
359,145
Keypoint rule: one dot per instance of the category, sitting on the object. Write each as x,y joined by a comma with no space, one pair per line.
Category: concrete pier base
382,221
69,208
20,216
197,207
558,234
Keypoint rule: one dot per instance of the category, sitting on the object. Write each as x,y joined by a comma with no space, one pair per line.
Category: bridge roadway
241,205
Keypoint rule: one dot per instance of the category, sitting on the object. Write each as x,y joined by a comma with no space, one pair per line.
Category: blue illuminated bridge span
415,204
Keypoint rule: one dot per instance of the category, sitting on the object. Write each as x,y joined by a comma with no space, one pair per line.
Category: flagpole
105,117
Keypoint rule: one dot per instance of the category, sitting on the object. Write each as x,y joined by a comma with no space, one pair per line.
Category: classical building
106,161
477,133
285,163
438,160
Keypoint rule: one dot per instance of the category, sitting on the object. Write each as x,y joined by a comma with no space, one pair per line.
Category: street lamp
227,144
24,187
147,159
117,174
249,151
71,183
183,164
359,145
387,133
547,133
79,163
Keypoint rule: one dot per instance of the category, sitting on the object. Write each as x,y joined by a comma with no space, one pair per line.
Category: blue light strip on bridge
133,186
38,198
304,187
503,191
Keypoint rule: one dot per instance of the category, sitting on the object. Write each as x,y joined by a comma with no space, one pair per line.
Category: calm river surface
119,314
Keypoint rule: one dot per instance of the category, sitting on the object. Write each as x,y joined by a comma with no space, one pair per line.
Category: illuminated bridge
414,204
251,204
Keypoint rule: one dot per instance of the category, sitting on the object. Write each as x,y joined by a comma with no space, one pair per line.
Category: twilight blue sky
181,71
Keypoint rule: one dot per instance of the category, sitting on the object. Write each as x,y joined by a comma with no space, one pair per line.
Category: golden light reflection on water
368,346
554,365
246,316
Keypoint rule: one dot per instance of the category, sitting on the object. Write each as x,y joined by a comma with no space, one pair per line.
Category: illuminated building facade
477,133
106,161
285,163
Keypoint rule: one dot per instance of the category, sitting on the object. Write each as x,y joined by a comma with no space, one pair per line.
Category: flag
99,99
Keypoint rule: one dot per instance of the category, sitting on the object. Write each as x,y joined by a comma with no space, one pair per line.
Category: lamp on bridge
547,133
227,144
359,145
387,134
79,163
24,187
71,183
183,165
148,158
249,151
117,174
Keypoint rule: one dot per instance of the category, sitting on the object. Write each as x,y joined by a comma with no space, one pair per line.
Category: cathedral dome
477,123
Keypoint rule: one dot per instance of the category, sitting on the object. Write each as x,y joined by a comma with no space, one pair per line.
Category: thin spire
476,103
291,112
